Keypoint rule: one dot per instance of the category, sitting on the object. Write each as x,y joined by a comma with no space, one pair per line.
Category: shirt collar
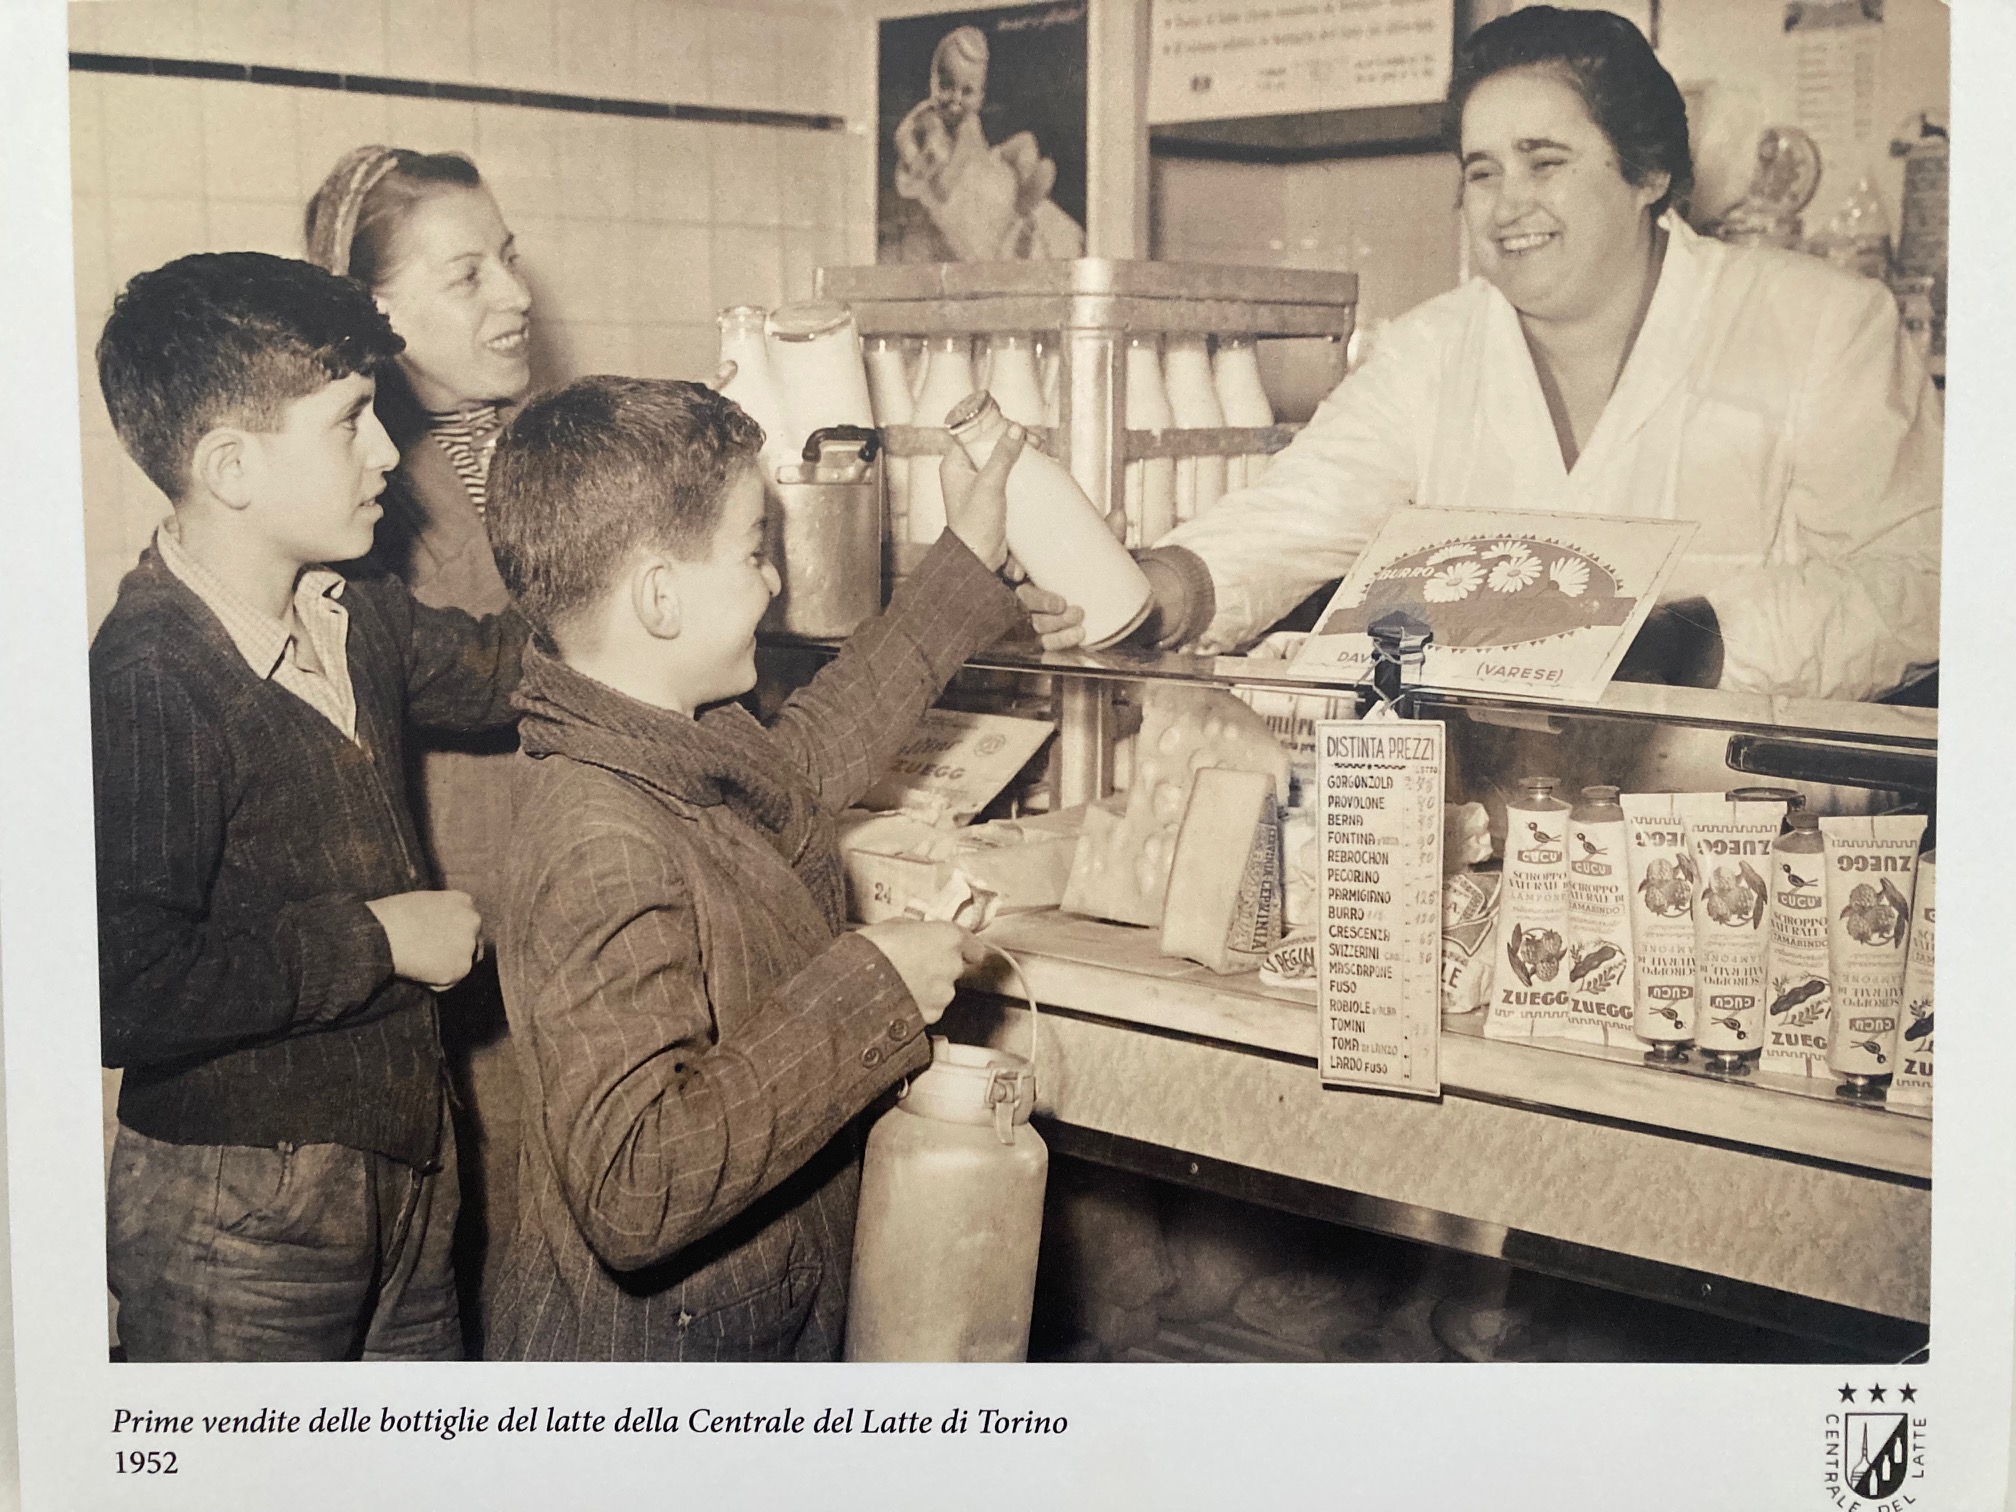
260,638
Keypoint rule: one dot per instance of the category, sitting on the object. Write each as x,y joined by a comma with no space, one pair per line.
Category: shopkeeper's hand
929,955
976,500
1058,625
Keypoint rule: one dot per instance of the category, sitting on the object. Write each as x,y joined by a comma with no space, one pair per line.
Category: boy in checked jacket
694,1030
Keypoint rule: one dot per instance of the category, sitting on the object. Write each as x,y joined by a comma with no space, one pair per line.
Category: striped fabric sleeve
843,727
667,1113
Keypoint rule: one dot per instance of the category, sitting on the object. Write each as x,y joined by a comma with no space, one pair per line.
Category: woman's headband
332,216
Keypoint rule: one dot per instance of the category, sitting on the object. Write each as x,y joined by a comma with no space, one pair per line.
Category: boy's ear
222,465
654,597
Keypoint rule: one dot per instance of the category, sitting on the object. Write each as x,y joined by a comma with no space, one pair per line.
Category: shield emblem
1879,1448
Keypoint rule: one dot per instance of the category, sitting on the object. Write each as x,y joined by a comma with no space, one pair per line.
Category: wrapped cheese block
1121,870
1224,904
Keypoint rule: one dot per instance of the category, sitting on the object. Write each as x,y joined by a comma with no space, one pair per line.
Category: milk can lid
972,1084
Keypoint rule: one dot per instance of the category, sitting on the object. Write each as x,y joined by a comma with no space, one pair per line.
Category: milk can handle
868,436
1016,967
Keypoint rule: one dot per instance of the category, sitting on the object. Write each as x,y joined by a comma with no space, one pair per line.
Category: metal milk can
827,535
951,1214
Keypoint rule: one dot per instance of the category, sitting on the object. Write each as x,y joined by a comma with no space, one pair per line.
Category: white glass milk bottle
1012,378
1235,369
889,396
1150,482
754,386
948,378
815,355
1055,532
1193,396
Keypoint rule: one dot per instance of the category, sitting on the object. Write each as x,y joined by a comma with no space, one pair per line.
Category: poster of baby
981,122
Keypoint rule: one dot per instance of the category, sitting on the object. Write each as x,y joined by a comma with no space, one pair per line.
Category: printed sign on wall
1212,60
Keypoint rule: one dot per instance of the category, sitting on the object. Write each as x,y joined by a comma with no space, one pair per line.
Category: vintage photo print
981,135
455,1056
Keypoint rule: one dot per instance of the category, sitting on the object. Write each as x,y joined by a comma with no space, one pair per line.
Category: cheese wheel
1121,870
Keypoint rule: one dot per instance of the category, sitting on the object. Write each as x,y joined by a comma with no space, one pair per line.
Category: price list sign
1379,970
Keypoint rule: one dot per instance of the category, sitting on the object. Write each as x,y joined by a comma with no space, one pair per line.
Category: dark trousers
294,1252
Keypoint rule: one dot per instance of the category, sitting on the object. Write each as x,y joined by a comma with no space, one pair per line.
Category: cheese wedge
1225,888
1121,870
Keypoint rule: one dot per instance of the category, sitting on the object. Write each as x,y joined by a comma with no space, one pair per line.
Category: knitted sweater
244,985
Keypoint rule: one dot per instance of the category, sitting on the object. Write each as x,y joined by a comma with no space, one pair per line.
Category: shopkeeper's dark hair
228,339
589,473
1607,61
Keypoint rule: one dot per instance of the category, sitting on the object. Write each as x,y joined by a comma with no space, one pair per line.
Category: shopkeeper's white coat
1770,397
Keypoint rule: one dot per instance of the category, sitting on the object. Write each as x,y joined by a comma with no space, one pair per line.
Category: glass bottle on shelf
1235,369
1193,396
1150,482
948,378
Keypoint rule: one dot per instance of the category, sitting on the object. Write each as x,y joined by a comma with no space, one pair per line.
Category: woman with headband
422,233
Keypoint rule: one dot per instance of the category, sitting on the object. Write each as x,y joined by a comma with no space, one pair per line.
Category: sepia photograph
1078,685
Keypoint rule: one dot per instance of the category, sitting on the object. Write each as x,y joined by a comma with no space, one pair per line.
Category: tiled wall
634,231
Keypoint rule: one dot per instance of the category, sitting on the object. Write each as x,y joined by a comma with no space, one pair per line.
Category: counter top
1117,972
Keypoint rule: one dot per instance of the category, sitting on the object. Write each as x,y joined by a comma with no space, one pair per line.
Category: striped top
469,437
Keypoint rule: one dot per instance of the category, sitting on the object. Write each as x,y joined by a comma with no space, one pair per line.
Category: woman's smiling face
456,295
1551,218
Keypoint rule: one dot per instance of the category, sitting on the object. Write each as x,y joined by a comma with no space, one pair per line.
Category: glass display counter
1766,1198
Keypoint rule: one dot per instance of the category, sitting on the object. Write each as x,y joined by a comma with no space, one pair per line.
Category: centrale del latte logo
1874,1447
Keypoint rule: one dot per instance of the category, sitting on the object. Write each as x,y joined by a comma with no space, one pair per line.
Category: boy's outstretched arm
845,725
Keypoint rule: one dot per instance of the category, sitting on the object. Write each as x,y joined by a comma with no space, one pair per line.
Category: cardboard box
892,860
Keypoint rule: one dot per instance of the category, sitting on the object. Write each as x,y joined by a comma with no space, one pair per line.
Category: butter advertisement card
1539,605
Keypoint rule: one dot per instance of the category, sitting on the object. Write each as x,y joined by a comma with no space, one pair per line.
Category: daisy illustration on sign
1539,604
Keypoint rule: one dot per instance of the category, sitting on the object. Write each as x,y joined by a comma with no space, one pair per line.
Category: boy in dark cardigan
695,1032
283,1178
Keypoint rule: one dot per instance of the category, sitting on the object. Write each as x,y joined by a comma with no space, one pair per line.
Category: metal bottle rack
1090,307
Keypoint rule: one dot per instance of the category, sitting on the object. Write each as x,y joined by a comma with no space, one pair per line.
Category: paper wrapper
1469,930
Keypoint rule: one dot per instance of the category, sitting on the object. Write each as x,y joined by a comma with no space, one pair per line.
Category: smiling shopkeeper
1608,360
423,234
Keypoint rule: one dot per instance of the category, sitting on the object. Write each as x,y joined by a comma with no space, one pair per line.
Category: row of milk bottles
803,368
1173,383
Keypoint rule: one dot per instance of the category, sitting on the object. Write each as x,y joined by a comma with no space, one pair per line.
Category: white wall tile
87,134
514,42
745,171
87,26
673,167
91,415
677,351
595,165
671,58
809,50
256,226
246,31
806,250
343,36
672,277
811,171
742,57
602,347
595,281
153,135
748,266
251,141
430,39
92,267
595,47
331,124
431,125
519,157
145,233
146,28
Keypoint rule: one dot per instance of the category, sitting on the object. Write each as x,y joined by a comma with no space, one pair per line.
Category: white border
1393,1436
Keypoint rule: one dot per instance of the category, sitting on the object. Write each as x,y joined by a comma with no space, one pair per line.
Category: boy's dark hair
586,475
227,338
1607,61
